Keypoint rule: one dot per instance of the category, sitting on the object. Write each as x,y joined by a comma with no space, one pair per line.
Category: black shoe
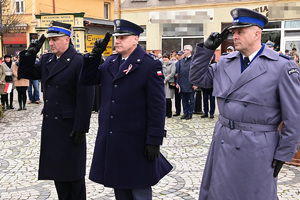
204,115
183,116
211,116
188,117
176,115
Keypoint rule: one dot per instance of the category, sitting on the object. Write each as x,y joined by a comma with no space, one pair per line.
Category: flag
159,73
8,87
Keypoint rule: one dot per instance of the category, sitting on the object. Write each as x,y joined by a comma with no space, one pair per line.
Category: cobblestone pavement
186,147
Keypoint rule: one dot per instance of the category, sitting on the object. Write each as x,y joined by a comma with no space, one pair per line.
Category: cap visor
55,35
240,26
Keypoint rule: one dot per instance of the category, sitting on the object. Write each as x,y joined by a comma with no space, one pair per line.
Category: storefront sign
90,41
46,20
14,38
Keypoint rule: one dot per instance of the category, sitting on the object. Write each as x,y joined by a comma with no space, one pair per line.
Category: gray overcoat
169,70
246,137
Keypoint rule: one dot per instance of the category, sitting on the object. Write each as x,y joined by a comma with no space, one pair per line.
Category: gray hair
189,47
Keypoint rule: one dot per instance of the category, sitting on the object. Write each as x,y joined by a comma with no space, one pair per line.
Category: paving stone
186,147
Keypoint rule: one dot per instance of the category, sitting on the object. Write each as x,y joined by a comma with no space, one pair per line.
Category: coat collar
62,62
257,68
132,63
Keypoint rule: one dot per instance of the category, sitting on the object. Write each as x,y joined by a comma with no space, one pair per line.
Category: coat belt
247,126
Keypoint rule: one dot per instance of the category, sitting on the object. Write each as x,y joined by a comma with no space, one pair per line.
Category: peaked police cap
58,29
243,17
124,27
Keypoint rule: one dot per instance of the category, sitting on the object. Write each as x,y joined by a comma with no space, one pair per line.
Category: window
106,11
19,6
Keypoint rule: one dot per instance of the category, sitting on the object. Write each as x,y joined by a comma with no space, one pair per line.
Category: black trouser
177,101
71,190
22,97
3,100
207,95
11,98
169,108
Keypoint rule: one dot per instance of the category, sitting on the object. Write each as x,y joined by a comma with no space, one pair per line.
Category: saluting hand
35,46
215,39
100,45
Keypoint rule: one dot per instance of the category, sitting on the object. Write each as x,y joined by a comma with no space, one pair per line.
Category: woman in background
169,70
7,65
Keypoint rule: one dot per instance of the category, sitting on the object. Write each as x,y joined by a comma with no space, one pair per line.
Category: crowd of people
9,80
257,88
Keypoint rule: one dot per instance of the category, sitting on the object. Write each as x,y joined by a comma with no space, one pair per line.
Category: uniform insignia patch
293,70
159,73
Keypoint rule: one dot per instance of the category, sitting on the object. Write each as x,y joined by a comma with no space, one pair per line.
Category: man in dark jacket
186,89
132,115
66,113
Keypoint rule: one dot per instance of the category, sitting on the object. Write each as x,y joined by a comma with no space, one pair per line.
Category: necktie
245,62
123,60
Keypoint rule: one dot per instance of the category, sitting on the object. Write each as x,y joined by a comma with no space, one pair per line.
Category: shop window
292,24
177,43
106,11
19,6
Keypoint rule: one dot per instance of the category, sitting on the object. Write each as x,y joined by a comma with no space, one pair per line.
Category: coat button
48,85
115,85
46,100
110,132
112,101
237,147
227,100
56,103
46,115
57,87
55,118
222,142
245,104
111,117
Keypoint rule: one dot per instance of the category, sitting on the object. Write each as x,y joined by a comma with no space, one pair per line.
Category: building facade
90,19
170,24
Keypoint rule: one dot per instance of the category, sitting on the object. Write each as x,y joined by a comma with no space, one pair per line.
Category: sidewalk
186,147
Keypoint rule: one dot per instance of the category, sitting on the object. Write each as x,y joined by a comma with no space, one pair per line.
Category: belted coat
67,107
246,138
132,114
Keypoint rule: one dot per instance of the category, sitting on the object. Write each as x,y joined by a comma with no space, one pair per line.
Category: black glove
100,45
215,39
78,137
277,164
152,151
35,46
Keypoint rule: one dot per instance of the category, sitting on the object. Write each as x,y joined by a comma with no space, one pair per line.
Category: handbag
8,79
172,85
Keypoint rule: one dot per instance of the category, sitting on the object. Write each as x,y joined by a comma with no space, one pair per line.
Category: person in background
256,88
209,99
21,86
33,88
270,44
287,52
2,87
294,50
132,115
66,112
9,78
230,49
159,56
186,89
169,70
173,56
180,55
296,59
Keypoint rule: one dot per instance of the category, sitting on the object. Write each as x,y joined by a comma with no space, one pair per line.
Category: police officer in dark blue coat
131,117
66,113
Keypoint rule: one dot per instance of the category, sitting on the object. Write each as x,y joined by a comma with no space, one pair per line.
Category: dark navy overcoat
132,114
67,107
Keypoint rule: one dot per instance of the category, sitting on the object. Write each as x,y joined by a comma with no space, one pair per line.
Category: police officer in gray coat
66,113
256,89
131,117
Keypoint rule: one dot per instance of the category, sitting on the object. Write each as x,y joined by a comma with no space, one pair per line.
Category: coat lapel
255,69
62,62
50,63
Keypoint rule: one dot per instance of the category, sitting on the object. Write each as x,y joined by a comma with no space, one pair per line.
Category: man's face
59,45
180,56
186,52
245,38
125,44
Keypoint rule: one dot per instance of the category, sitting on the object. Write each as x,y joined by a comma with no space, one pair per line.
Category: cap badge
235,14
118,23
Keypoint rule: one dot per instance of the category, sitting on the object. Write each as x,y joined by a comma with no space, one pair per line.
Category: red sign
14,38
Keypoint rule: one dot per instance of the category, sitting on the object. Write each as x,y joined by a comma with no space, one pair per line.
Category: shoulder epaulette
285,56
153,56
